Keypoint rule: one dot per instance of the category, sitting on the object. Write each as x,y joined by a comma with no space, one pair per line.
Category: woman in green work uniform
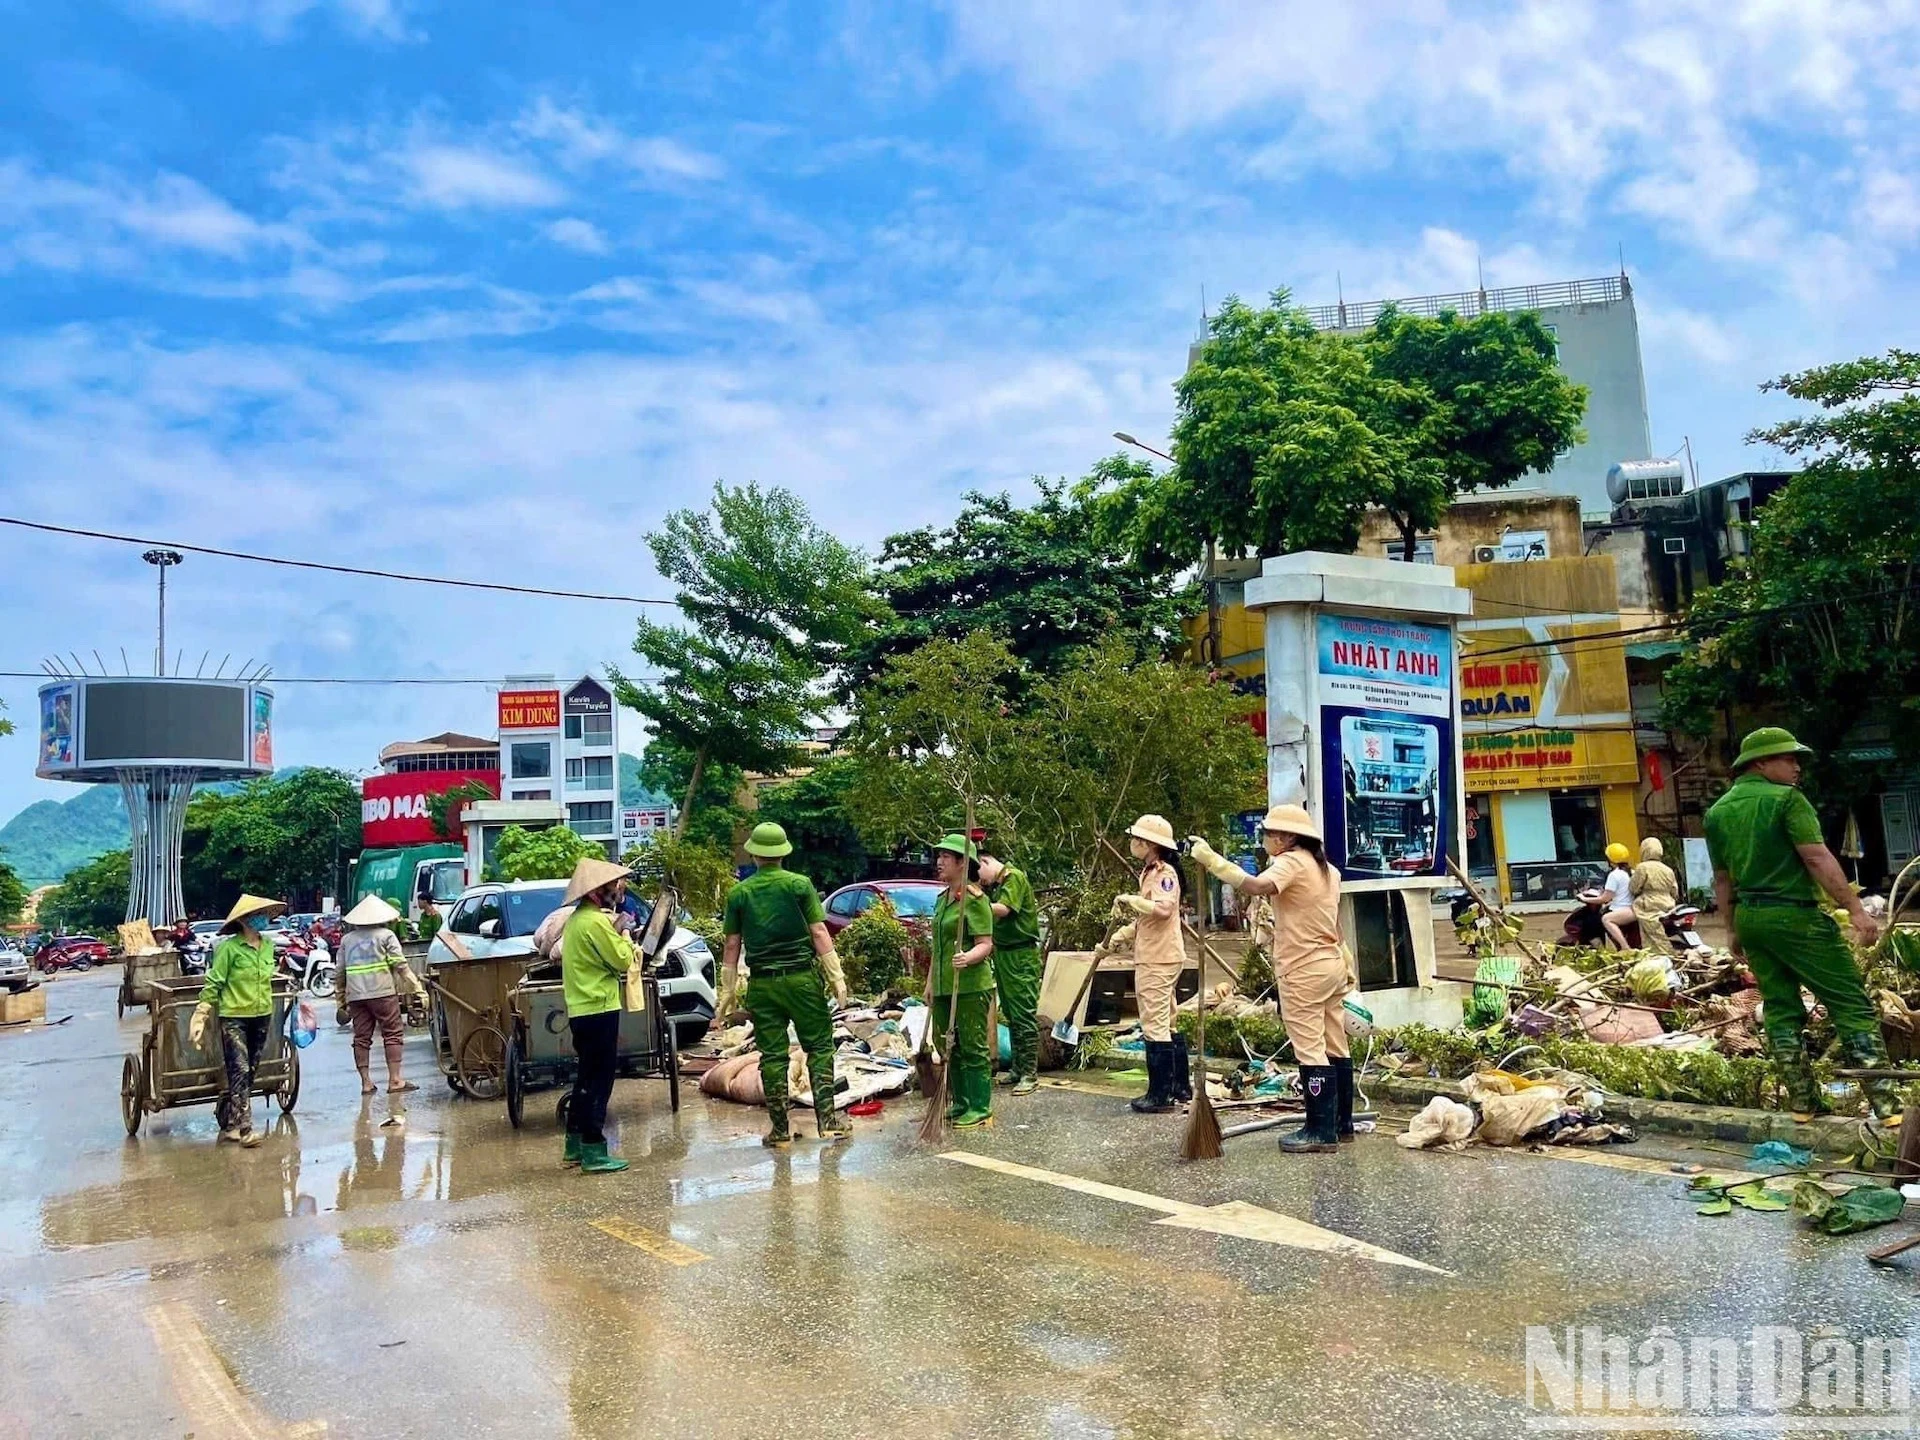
594,957
1016,966
774,915
962,980
239,990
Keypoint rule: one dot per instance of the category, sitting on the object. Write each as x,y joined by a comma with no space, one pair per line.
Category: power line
360,570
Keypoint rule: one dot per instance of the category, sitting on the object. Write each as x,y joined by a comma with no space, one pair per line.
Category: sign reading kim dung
92,727
1386,736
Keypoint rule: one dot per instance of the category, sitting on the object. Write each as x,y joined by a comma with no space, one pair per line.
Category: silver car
16,970
500,918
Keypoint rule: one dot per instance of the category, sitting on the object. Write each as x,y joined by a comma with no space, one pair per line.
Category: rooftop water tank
1645,480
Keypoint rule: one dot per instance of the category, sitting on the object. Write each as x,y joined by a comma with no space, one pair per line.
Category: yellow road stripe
219,1410
1235,1217
661,1247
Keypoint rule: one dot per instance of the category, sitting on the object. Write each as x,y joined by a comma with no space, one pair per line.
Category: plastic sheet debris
1446,1124
1777,1153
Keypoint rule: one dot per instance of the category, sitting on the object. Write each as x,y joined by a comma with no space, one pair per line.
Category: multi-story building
563,747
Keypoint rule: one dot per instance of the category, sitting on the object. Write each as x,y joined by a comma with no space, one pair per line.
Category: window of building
591,818
572,730
532,760
590,772
597,730
1422,550
1579,831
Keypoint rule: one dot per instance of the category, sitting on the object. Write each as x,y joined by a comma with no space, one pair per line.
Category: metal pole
161,668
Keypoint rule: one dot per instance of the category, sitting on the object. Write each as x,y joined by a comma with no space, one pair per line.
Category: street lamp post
1212,656
163,559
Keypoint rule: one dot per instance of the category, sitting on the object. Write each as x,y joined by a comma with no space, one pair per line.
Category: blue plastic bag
1779,1152
306,1026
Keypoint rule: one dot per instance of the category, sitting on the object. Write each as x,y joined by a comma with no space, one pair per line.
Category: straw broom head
1202,1140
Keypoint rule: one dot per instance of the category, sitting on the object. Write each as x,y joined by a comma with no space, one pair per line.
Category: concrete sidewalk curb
1825,1135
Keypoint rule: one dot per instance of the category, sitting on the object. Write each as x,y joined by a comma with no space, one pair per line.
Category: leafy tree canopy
771,603
667,768
549,854
287,836
699,873
1286,434
93,897
1048,578
13,894
827,847
1819,631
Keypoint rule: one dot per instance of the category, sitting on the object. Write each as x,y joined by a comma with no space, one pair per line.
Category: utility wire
333,569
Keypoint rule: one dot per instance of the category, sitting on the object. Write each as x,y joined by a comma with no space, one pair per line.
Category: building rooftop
1357,315
437,744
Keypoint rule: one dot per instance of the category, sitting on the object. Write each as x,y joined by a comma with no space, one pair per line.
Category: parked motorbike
1677,925
1584,926
309,963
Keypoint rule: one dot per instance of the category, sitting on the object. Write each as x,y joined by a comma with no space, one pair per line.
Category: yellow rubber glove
836,976
1138,904
198,1026
1120,939
1216,864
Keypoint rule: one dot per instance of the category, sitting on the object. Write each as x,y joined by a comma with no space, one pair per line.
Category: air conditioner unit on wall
1485,554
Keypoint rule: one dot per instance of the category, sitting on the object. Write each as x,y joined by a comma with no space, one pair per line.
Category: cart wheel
560,1110
132,1092
483,1063
671,1054
290,1087
516,1085
119,1005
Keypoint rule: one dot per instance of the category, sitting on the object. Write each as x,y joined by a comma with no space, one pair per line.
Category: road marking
661,1247
219,1410
1235,1217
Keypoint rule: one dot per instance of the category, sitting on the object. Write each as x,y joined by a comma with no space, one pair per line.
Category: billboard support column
156,822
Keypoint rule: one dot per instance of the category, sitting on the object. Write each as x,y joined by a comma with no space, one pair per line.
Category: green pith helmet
1767,742
959,845
768,842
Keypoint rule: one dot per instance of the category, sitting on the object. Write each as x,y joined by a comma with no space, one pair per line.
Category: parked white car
16,969
500,918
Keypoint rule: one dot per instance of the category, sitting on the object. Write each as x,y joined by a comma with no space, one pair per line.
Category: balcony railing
1359,314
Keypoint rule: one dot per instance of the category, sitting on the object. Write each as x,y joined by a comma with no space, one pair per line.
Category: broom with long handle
1202,1138
935,1072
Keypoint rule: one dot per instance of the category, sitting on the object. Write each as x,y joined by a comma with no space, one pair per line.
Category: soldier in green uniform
1770,864
775,916
962,980
1016,966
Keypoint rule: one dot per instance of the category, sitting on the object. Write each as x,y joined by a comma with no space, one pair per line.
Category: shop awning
1653,649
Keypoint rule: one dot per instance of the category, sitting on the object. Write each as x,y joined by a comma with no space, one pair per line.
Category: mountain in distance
633,794
51,837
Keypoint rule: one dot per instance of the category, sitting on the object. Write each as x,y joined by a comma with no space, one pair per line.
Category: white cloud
110,214
275,19
584,140
454,177
582,235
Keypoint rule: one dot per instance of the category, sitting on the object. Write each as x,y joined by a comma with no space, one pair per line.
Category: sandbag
736,1079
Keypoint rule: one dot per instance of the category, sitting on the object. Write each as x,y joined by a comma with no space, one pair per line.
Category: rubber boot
1180,1072
571,1155
1867,1050
1796,1076
975,1089
1156,1101
832,1125
1321,1092
1343,1096
778,1134
594,1160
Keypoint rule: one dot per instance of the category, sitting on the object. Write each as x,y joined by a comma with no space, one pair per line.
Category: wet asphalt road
446,1277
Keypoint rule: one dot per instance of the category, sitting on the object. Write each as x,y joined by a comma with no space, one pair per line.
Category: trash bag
1779,1152
1861,1208
1445,1123
306,1025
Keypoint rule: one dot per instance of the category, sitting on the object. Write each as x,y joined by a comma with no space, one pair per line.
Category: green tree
700,874
667,769
93,898
443,809
1286,434
1819,629
1048,578
549,854
13,894
875,950
812,809
1057,774
287,836
771,603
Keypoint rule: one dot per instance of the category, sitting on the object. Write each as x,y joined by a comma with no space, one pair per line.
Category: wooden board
24,1005
1063,981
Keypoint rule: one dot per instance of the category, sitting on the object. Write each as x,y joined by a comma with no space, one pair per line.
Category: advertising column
1385,693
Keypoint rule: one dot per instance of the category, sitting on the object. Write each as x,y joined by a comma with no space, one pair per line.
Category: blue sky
486,290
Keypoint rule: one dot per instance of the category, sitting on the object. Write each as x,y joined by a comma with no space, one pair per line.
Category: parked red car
912,901
70,952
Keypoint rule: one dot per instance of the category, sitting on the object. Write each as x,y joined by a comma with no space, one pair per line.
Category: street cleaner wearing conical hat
373,977
239,991
775,916
1016,965
1770,863
595,957
1308,967
961,982
1159,956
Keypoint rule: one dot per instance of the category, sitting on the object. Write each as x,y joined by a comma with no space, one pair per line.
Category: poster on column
1386,745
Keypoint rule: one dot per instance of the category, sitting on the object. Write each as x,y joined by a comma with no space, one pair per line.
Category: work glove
836,977
1216,864
729,998
1138,904
1119,940
341,1015
198,1026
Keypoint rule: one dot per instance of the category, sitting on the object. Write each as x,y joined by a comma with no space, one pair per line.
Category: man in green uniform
1770,864
775,916
1016,966
962,980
